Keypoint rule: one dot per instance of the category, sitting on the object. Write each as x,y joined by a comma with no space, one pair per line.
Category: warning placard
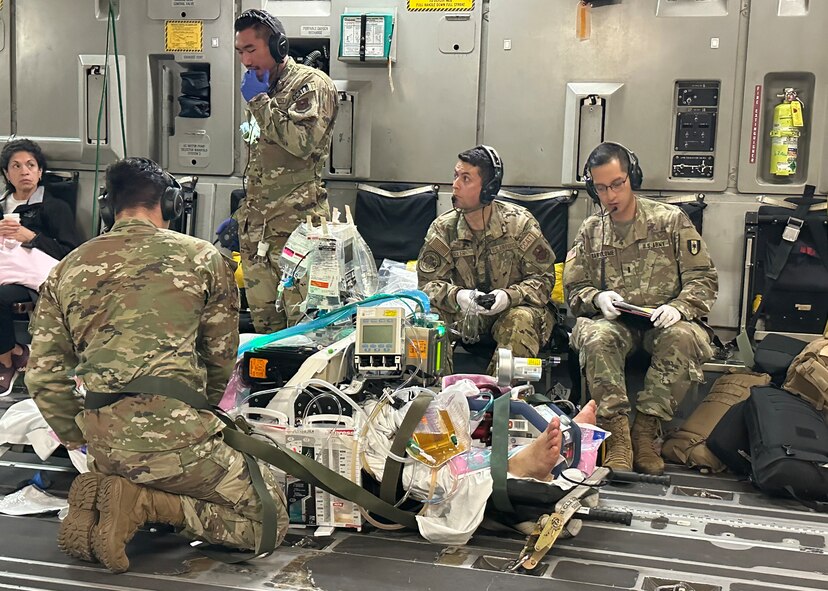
184,36
439,5
257,368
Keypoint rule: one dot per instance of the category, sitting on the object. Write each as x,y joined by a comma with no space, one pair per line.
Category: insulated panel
534,60
413,118
5,71
57,42
786,48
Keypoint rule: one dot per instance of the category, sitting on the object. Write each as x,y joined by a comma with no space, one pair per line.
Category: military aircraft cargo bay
356,295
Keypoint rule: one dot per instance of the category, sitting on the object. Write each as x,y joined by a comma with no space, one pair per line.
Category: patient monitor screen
373,334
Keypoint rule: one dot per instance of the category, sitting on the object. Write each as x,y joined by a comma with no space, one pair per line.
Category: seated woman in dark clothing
42,222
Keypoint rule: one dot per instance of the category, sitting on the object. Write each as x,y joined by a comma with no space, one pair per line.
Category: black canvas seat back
693,207
393,219
63,186
552,212
775,353
788,445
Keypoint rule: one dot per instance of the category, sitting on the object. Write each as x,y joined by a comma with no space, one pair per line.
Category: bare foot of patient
587,414
538,458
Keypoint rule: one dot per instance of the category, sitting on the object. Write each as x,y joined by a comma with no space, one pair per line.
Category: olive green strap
500,453
393,468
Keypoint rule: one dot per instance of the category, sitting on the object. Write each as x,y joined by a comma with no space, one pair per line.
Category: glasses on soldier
614,185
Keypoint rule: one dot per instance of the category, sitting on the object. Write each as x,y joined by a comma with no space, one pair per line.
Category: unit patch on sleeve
429,262
694,246
541,253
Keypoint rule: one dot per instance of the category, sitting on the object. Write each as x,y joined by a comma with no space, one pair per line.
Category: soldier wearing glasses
647,254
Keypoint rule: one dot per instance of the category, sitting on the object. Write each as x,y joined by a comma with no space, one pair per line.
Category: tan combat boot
618,451
124,507
645,432
75,533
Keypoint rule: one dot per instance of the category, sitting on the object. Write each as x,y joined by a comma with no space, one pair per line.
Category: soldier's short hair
21,145
263,31
606,153
135,183
478,157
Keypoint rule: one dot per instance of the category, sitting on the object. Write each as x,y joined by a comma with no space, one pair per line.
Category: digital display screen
373,334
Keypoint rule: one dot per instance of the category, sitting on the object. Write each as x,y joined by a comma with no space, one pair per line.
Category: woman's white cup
10,243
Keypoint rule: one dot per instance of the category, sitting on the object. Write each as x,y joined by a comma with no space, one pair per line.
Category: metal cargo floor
707,533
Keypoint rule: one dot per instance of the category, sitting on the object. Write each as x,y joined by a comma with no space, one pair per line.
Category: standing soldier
647,254
492,247
291,110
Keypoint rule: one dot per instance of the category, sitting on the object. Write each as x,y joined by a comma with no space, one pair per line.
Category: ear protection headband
277,42
490,189
172,202
635,173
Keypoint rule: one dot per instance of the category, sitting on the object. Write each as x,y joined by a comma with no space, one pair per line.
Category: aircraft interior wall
690,86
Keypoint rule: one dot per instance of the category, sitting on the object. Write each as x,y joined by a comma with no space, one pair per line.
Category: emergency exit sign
439,5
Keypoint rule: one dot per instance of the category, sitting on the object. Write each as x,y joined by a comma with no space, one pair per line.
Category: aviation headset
277,42
490,189
635,173
172,202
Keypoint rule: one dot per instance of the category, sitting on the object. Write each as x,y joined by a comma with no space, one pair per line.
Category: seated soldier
648,254
490,247
143,301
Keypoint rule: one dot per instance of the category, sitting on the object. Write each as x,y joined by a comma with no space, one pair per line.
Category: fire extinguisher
787,121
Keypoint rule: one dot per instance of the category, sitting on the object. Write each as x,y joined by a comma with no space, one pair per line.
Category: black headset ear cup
590,186
172,202
106,209
278,44
490,190
636,174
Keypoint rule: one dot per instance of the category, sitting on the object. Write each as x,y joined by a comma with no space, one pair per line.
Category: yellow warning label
257,368
417,349
391,313
796,114
184,36
533,361
439,5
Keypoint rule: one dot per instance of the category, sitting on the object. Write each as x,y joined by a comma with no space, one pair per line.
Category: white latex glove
604,302
501,303
665,316
465,299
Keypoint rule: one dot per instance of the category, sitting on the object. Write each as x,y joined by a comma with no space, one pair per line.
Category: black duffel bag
788,446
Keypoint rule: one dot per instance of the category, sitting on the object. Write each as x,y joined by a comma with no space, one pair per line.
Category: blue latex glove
228,234
251,86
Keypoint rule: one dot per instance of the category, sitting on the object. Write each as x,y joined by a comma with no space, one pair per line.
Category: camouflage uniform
141,301
663,260
284,181
511,254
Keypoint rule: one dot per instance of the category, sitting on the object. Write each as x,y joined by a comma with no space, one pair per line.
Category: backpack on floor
688,445
788,446
808,374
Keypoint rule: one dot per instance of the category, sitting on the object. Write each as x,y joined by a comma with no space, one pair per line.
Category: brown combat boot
618,448
124,507
75,533
645,432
